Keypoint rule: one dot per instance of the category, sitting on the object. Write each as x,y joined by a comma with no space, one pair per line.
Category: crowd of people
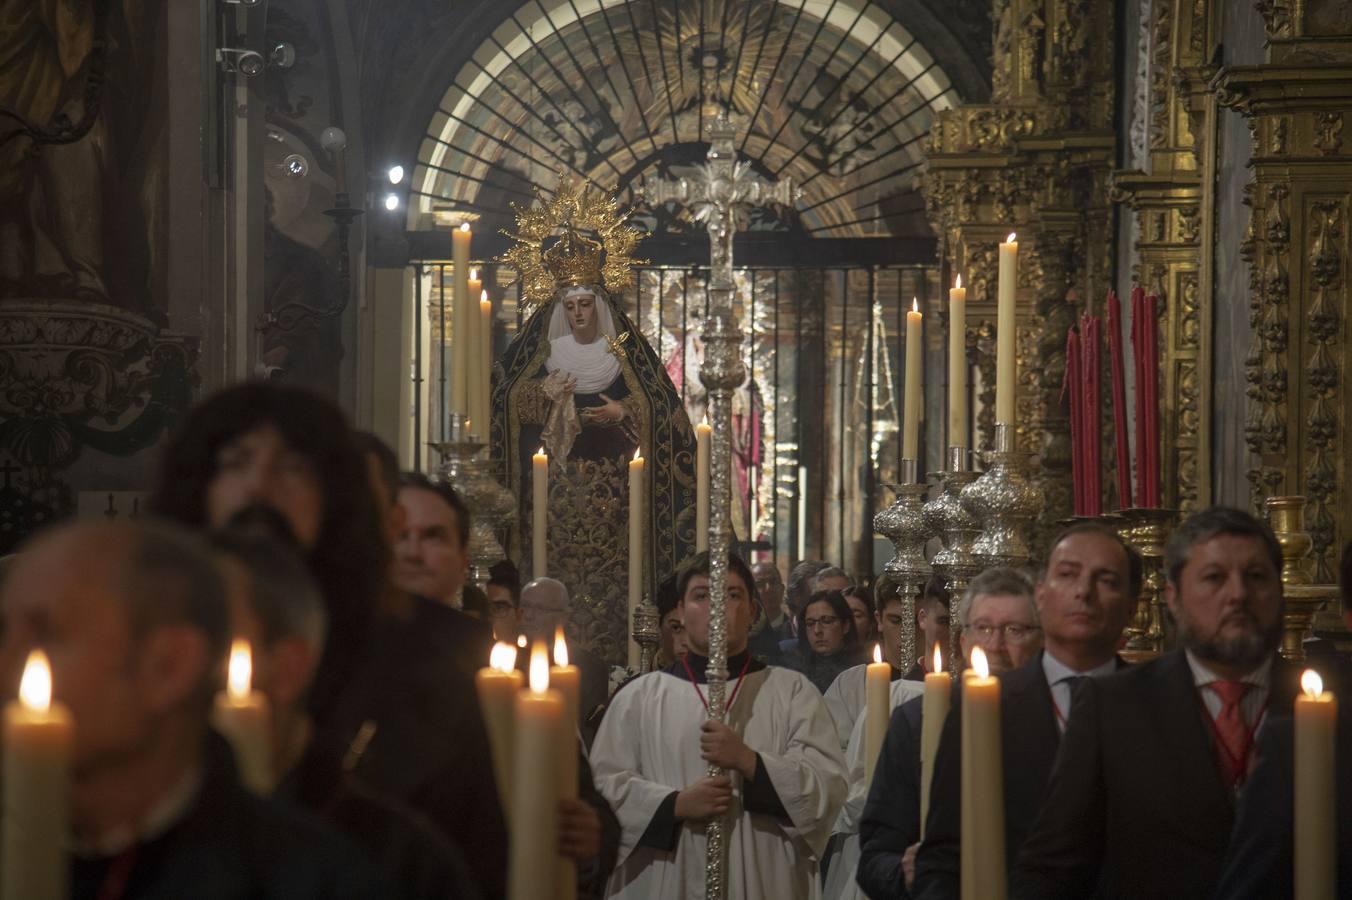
276,523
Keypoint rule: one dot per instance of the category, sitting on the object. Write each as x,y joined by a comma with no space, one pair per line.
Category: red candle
1090,329
1152,399
1138,358
1073,384
1117,367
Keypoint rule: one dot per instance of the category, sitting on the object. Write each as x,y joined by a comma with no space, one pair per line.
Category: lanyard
115,880
732,698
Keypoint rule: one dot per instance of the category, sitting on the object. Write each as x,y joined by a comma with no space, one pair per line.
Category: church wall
1242,41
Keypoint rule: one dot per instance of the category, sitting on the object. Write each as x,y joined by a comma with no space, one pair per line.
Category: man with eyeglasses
1085,598
998,615
504,600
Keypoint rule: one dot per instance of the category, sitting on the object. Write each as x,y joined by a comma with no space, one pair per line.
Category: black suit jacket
1136,806
1260,861
1029,736
891,819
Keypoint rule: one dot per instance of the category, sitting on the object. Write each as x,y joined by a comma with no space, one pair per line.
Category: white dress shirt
1255,700
1060,678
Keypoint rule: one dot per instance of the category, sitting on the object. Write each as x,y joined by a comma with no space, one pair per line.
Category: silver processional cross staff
720,193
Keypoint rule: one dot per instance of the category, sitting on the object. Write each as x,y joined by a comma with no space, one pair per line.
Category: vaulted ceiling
836,94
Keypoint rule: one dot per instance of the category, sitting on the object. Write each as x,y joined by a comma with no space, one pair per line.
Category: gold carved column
1035,160
1173,199
1298,105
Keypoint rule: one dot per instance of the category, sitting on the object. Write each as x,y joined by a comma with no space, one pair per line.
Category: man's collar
699,666
1202,674
1057,671
165,814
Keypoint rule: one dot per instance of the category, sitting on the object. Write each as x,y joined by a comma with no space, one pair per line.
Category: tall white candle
533,845
460,240
802,512
566,679
910,408
636,514
702,436
1006,357
933,712
1316,821
485,365
242,716
877,684
957,365
34,820
473,348
539,549
497,687
983,789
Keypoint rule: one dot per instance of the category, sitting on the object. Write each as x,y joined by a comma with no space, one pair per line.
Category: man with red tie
1142,795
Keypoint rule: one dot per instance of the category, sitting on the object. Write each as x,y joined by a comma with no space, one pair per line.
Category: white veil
593,365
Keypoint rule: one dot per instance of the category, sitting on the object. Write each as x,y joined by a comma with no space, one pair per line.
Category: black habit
891,819
1136,806
1260,861
232,845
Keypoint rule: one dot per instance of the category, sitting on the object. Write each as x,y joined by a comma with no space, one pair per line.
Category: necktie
1232,734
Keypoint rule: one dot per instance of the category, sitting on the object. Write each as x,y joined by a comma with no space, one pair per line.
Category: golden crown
574,260
570,218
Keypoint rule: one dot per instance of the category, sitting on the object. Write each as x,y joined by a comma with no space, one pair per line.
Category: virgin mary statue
580,382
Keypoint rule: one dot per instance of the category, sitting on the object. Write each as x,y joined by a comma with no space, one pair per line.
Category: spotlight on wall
391,202
396,174
282,56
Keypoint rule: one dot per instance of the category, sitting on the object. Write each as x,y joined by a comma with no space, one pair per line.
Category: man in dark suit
1141,799
998,601
931,625
1261,859
1085,598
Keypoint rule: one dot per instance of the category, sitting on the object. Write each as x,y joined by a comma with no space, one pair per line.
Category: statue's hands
609,413
558,386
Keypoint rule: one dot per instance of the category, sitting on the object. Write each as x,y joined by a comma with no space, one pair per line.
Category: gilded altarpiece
1036,161
1172,199
1297,246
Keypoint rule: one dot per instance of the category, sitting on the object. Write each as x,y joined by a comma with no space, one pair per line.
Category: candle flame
1311,684
638,454
474,275
35,688
539,668
705,421
502,658
239,681
915,305
483,295
521,641
464,226
560,647
1010,239
938,658
957,283
979,664
877,653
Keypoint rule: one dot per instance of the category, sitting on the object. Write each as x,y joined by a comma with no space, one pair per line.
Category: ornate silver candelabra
1005,503
491,505
957,562
903,523
647,633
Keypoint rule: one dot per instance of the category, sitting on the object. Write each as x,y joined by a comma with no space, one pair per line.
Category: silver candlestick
491,505
957,562
903,523
647,633
1005,503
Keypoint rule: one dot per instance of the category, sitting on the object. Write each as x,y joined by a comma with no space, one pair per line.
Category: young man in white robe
784,778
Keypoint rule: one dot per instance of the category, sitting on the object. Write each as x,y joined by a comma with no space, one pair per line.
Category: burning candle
910,409
472,348
539,513
983,791
933,712
566,680
702,436
485,364
635,548
1316,823
34,828
497,687
460,240
241,715
877,708
534,821
957,365
1006,359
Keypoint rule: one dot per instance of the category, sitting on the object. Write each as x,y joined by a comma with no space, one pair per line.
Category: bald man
134,621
